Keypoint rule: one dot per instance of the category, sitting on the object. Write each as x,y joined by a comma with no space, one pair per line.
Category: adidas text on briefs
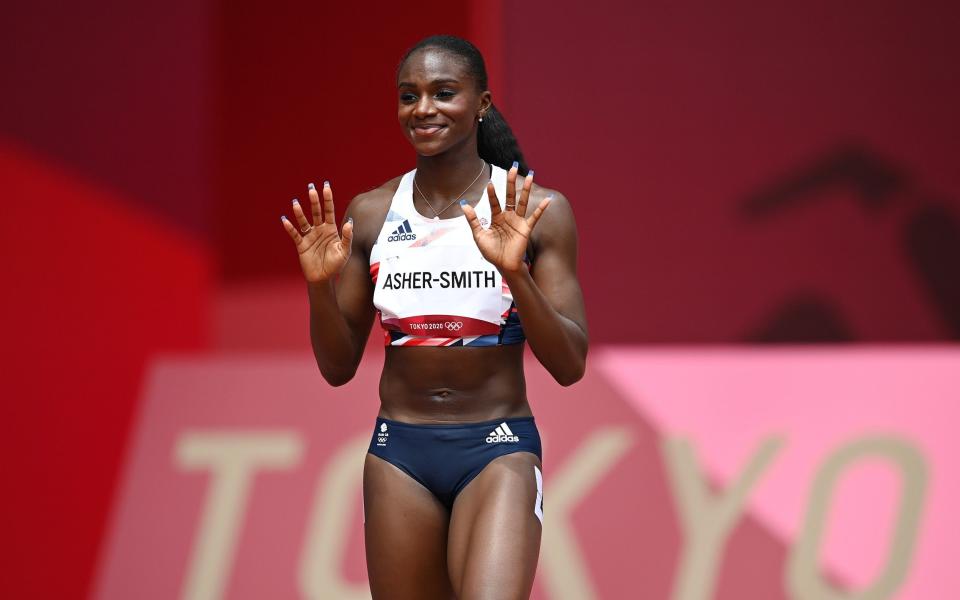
502,434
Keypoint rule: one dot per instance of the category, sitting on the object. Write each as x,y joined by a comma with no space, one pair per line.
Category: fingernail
550,197
310,186
295,201
283,217
326,183
463,202
349,219
530,173
516,165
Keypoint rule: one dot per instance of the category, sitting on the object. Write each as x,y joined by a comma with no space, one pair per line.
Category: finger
346,237
329,216
525,194
494,201
471,215
512,183
294,234
538,211
301,218
315,203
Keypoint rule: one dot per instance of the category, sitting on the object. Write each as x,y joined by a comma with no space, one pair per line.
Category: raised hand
505,241
323,252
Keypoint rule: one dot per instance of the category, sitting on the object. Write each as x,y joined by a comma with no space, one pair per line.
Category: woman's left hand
504,243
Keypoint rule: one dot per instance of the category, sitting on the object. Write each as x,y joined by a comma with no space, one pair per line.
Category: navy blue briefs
445,458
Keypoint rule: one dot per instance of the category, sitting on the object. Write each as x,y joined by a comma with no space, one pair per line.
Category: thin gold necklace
436,215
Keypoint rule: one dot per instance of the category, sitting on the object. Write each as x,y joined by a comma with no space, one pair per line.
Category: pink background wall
613,526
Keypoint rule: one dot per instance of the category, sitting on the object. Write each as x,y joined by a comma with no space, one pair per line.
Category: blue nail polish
550,197
516,165
295,201
311,186
326,183
463,202
530,173
283,217
349,219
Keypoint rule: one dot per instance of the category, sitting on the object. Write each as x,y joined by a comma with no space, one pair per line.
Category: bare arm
340,323
338,283
548,299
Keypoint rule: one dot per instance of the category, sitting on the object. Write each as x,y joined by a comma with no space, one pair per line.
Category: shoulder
371,202
369,209
557,224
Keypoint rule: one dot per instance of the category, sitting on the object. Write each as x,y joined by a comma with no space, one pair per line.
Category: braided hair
496,143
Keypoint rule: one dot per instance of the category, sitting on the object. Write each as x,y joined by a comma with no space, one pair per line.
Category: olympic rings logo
453,325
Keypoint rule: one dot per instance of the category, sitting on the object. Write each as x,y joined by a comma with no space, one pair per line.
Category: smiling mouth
428,130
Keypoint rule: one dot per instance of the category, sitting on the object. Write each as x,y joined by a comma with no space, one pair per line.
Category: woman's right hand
323,252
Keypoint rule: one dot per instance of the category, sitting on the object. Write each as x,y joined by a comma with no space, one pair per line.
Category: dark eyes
408,97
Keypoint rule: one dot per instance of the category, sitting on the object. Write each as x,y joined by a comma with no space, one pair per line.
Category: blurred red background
746,172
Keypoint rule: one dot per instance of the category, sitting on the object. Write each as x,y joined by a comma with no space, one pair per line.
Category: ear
486,101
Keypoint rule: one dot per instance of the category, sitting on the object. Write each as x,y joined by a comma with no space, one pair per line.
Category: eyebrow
434,82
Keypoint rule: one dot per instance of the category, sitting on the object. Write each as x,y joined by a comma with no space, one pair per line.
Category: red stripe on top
437,234
442,325
427,341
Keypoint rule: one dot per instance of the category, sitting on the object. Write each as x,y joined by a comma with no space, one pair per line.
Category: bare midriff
453,385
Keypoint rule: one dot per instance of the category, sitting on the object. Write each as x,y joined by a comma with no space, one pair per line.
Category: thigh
405,530
494,532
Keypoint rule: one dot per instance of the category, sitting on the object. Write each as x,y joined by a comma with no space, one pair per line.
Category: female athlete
462,262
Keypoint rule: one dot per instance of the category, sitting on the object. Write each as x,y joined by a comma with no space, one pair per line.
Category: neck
445,175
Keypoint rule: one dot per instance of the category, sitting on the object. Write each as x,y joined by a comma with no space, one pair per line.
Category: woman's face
438,102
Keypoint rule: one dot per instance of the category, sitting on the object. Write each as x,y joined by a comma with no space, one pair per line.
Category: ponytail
496,143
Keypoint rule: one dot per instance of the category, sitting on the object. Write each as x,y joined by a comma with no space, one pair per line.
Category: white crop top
432,285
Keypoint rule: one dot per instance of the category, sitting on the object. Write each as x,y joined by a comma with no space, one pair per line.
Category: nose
424,106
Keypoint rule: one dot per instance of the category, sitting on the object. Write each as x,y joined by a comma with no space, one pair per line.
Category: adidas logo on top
502,434
402,233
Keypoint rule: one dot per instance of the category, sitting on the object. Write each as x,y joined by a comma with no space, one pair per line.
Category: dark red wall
118,91
750,170
306,92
